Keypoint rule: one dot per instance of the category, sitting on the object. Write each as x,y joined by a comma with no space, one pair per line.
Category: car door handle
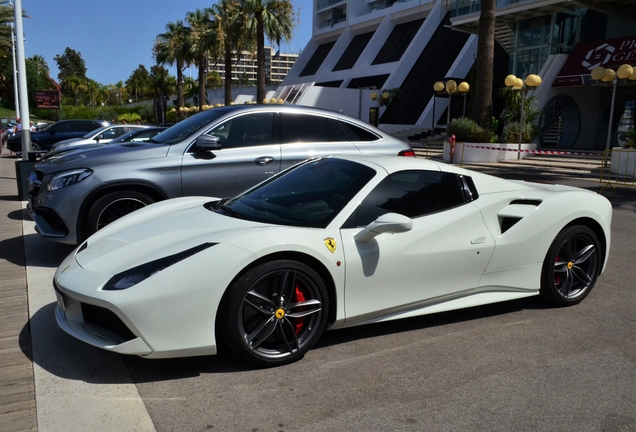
478,240
264,160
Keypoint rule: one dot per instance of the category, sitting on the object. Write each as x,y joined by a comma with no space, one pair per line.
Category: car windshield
95,132
188,126
309,195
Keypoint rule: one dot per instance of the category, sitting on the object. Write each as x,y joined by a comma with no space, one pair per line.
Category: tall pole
433,118
523,102
611,118
15,71
22,88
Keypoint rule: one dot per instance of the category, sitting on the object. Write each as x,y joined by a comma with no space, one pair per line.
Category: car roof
393,164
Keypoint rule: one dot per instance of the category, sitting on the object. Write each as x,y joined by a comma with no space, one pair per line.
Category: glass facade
534,39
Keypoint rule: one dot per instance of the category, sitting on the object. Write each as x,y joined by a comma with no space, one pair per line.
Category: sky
114,37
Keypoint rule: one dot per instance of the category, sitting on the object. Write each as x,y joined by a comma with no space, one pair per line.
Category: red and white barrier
543,152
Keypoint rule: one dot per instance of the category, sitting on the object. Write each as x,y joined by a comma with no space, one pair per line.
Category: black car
64,129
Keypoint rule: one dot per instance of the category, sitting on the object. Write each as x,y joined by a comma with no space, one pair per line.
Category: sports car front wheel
275,312
571,266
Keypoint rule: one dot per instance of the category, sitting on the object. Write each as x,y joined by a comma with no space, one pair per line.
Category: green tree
271,18
232,37
202,41
484,62
138,82
71,64
162,85
172,47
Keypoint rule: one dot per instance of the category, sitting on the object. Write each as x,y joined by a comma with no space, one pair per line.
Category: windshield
95,132
309,195
189,126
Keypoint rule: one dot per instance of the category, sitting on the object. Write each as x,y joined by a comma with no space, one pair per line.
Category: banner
609,53
47,99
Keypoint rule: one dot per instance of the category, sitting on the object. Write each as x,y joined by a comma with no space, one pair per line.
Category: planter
485,152
23,170
623,161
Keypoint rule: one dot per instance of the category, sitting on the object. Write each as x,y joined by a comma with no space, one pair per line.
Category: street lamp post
601,74
450,87
532,81
463,88
438,87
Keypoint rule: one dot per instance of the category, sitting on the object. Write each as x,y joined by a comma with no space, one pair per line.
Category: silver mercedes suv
218,153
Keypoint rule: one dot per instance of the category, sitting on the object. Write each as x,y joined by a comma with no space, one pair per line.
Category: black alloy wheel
275,312
571,267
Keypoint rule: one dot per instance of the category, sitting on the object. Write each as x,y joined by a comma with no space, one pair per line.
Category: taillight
410,153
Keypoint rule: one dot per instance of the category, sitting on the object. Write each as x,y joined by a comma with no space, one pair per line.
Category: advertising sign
609,53
47,99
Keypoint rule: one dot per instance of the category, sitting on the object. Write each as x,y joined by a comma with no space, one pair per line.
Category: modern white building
362,45
277,66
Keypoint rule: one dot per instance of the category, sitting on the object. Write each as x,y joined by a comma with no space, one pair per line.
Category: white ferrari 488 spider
330,243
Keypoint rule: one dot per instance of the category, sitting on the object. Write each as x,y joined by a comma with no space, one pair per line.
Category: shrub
510,132
467,130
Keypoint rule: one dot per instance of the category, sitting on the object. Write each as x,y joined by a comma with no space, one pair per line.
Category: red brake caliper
300,297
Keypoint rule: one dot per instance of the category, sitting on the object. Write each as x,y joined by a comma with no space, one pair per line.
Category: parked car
333,242
219,152
137,135
64,129
103,135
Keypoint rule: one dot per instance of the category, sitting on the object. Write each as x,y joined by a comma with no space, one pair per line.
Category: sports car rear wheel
275,313
571,267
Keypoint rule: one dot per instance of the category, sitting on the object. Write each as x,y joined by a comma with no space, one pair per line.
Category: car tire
274,313
35,146
571,266
111,207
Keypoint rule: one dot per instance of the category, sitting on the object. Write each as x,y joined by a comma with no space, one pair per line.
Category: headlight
68,178
132,277
59,146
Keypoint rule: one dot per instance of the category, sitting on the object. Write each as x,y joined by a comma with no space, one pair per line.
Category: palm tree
76,85
271,18
232,36
202,41
482,103
172,47
41,67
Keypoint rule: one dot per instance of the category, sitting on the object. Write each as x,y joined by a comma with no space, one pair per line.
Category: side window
83,126
64,127
303,128
356,133
249,130
410,193
335,131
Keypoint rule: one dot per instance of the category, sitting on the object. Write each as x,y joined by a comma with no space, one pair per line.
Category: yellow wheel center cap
280,313
570,265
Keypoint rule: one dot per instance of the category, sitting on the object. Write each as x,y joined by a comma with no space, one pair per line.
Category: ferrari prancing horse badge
331,244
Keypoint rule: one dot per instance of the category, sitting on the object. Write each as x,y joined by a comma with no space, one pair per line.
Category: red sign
609,53
47,99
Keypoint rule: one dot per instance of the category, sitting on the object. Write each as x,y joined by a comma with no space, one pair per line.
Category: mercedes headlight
68,178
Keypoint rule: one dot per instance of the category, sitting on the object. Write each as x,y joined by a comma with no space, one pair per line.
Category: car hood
161,230
68,141
102,155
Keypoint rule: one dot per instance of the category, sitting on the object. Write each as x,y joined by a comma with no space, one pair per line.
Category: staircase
585,167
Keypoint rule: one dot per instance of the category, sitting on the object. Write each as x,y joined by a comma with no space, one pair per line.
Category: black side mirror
208,143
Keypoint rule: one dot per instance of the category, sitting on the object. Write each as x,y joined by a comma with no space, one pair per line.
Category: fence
619,167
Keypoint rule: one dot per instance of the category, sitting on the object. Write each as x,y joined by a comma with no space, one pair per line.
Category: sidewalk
49,380
17,388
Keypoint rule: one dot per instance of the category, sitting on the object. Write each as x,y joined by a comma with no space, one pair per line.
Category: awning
609,53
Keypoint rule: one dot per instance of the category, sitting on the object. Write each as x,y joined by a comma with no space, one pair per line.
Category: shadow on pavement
142,370
45,253
66,357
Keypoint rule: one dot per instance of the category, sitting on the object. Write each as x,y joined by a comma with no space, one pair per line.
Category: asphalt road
521,365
